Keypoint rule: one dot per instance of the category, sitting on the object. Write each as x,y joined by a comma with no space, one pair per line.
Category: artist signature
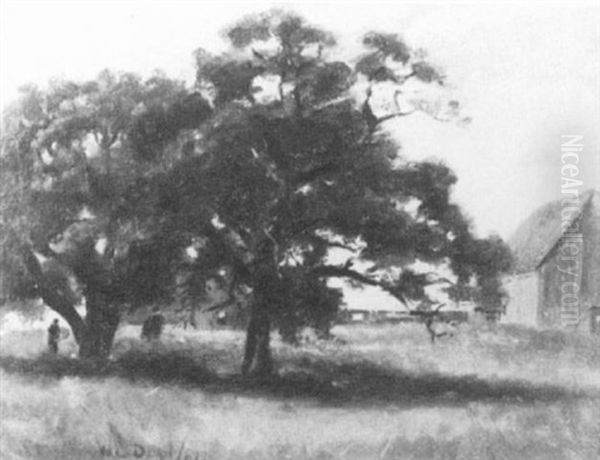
136,450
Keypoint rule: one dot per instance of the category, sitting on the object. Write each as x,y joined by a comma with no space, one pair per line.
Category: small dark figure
153,326
53,337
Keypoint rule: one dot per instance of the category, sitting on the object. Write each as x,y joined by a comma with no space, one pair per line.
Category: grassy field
378,392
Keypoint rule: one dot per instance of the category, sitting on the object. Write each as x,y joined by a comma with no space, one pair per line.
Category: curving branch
53,297
344,271
332,244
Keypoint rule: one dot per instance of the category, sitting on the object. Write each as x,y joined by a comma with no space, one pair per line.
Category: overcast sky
525,75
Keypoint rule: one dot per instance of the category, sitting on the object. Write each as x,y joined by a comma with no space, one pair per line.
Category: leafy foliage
80,192
119,179
310,171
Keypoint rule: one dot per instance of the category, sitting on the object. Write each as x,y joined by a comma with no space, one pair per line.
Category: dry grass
385,393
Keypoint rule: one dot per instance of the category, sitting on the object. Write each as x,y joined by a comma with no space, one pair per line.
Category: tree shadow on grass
361,383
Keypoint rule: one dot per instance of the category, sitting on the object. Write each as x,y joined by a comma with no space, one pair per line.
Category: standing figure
53,337
153,326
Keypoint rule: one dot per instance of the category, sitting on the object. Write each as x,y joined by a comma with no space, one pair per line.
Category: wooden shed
556,277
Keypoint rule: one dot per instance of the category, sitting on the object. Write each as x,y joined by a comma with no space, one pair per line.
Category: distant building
353,315
360,310
556,278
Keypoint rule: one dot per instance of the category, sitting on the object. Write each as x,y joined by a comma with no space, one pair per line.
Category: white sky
525,74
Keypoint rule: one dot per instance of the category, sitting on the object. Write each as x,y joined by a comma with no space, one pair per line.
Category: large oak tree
295,161
78,209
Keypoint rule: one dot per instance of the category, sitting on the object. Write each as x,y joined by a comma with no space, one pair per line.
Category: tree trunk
53,297
266,288
101,324
192,317
288,330
95,333
257,356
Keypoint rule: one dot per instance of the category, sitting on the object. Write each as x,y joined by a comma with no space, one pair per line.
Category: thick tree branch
333,244
343,271
51,296
380,120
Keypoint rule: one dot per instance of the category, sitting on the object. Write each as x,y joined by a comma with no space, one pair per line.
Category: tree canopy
278,155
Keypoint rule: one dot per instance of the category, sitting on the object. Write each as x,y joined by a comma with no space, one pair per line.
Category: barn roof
540,232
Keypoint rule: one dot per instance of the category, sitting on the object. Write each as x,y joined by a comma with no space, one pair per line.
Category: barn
556,275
